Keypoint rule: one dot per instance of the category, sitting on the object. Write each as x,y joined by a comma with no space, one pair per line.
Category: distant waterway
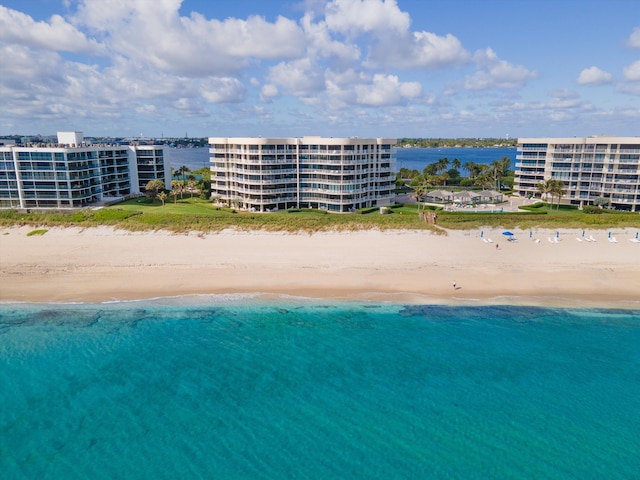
411,158
194,158
418,158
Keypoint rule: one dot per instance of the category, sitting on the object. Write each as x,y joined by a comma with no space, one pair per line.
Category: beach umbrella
508,234
482,234
583,233
609,234
557,234
530,233
636,234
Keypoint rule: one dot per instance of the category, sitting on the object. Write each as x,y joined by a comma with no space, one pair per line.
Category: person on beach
454,284
497,246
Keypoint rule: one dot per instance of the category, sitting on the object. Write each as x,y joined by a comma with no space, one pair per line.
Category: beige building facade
332,174
73,174
590,168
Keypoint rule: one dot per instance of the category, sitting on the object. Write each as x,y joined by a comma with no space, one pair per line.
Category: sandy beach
102,264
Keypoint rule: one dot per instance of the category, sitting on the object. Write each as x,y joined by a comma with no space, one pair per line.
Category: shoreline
98,265
271,299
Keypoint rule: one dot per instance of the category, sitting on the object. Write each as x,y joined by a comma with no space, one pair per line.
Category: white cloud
268,92
594,76
495,73
430,49
299,77
189,107
385,90
223,90
148,61
321,43
152,31
631,84
632,72
386,31
57,34
634,38
358,16
417,50
147,109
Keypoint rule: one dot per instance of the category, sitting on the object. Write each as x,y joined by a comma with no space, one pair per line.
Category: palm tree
500,168
559,191
443,177
154,187
455,163
177,187
442,164
545,188
183,170
431,169
174,194
191,185
419,191
474,169
485,178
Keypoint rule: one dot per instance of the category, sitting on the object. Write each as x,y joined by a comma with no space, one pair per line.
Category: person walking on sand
454,284
497,246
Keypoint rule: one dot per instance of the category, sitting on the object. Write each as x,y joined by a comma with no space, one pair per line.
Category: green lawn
195,214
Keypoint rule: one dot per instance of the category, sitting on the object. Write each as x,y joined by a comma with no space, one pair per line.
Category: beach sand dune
103,264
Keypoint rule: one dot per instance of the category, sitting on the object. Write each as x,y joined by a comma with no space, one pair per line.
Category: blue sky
390,68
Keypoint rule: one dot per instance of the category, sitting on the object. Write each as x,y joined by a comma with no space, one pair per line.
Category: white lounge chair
550,240
579,239
537,240
634,240
591,239
613,240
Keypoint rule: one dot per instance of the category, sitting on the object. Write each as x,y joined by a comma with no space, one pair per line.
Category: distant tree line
456,142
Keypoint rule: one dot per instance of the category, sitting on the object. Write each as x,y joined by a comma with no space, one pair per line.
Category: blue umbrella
508,234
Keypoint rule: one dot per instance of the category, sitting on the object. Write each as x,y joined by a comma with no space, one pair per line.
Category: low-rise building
333,174
590,168
73,174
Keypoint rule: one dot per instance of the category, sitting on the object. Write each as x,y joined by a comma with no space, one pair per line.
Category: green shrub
40,231
114,215
78,217
364,211
592,210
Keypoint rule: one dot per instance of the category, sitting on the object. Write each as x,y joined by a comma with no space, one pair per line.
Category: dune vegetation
197,215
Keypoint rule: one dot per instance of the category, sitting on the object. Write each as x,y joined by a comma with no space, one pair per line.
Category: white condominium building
590,168
72,174
333,174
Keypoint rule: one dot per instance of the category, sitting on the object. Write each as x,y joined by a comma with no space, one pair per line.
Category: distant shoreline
460,146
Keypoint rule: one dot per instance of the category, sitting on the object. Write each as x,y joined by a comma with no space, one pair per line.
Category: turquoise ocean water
237,387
